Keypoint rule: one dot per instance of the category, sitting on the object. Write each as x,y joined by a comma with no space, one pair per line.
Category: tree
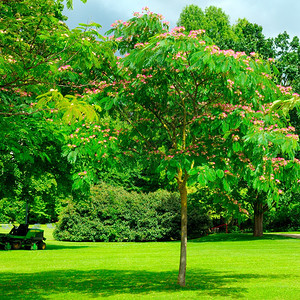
41,56
251,39
288,60
200,112
192,17
213,20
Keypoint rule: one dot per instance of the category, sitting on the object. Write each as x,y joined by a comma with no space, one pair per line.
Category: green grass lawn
232,266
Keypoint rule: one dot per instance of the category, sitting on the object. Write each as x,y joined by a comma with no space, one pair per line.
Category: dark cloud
275,16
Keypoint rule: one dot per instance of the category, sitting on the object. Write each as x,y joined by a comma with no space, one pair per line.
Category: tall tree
213,20
202,113
288,60
251,39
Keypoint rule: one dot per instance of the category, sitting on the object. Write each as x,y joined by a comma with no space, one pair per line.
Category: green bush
285,217
113,214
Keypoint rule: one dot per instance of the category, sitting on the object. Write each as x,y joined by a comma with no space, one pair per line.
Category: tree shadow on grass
105,283
236,237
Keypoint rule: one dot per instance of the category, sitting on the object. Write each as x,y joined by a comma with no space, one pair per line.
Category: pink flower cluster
274,128
63,68
176,32
285,90
146,11
180,55
293,136
230,84
82,173
216,50
235,138
194,33
140,45
117,23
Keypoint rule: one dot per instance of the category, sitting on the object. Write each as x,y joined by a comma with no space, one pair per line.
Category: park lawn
232,266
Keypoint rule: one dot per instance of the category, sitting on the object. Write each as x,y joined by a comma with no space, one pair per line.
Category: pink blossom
66,67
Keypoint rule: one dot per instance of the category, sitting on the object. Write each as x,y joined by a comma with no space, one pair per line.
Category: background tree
288,60
213,20
251,39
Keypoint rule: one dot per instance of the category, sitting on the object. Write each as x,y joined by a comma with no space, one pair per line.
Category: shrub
113,214
285,217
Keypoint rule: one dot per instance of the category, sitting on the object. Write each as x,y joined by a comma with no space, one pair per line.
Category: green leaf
109,104
201,179
171,173
236,147
275,70
72,157
226,185
220,173
242,79
193,171
162,166
211,65
211,175
70,4
225,127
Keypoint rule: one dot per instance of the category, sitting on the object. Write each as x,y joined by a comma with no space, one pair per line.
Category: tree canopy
203,113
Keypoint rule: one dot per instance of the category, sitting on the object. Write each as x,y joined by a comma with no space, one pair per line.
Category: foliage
220,211
288,60
70,3
213,20
246,37
286,216
251,39
96,155
138,29
228,136
32,170
114,215
12,211
243,36
179,115
45,69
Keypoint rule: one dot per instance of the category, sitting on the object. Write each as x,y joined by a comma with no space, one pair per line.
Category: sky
275,16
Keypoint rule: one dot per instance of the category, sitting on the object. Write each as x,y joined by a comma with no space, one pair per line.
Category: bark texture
183,247
258,219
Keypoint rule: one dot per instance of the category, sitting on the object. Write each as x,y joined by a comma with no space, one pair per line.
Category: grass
220,266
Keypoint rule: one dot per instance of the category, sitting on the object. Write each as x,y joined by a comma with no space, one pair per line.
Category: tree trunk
258,219
182,267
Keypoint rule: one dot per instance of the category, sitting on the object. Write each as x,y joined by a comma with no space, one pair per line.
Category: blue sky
275,16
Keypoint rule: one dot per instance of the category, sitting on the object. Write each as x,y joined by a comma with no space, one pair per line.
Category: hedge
112,214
